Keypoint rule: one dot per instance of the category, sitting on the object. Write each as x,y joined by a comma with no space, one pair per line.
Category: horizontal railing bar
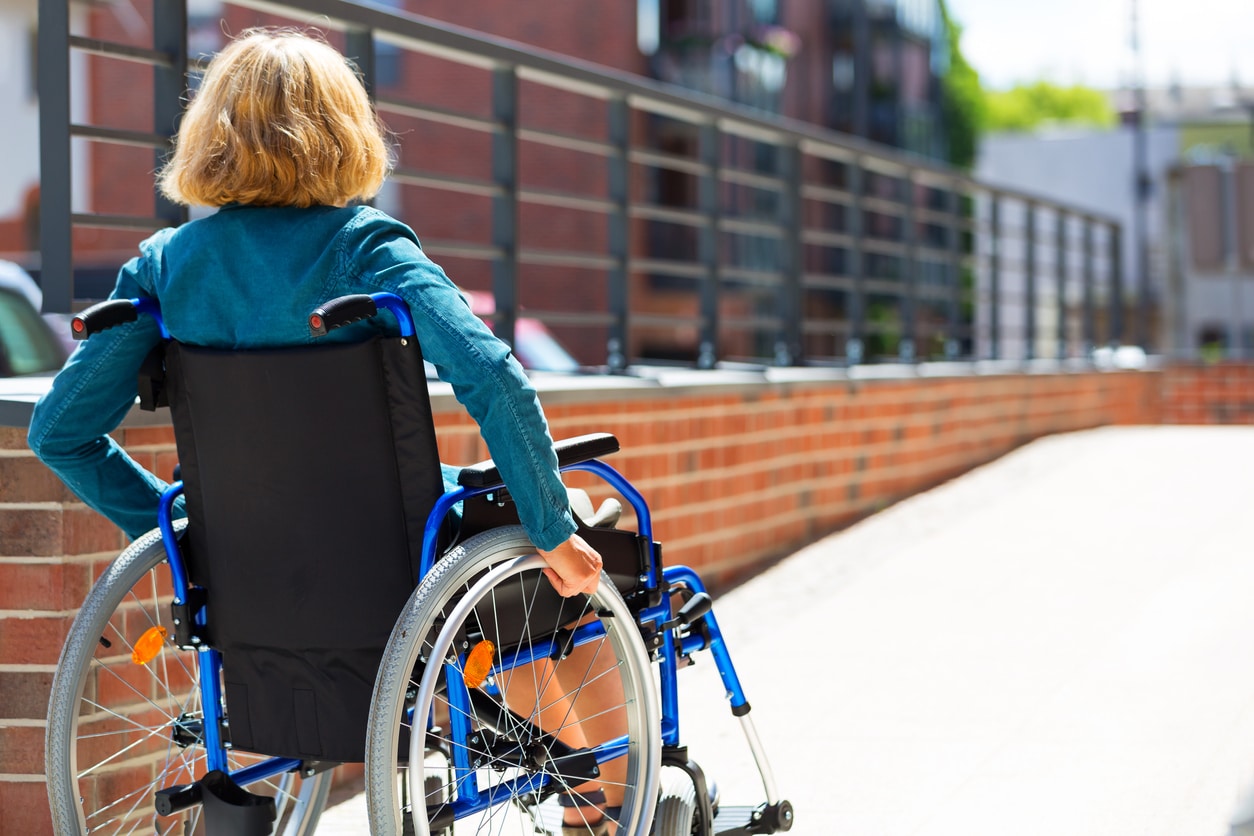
744,226
893,166
885,286
827,281
828,151
566,200
562,81
461,249
441,115
749,178
825,238
576,318
555,258
754,130
639,319
671,162
464,185
825,326
566,142
943,255
937,292
117,136
667,267
133,222
748,322
884,206
827,194
934,216
124,52
664,106
882,247
943,180
688,217
770,278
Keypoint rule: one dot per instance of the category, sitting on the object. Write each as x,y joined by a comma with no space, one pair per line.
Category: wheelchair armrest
569,451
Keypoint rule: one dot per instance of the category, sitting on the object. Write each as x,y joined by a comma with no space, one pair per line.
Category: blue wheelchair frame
659,615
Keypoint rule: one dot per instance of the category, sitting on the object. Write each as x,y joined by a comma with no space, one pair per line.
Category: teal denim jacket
248,277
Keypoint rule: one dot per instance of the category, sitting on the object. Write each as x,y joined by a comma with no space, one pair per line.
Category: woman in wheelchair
283,140
511,682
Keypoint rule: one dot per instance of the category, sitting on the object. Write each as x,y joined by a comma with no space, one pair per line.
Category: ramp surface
1059,643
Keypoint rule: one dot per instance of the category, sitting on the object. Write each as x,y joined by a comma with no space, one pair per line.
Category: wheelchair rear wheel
124,718
511,700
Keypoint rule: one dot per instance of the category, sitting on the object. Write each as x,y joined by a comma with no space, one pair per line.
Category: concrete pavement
1059,643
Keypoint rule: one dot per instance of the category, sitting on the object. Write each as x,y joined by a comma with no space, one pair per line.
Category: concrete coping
19,394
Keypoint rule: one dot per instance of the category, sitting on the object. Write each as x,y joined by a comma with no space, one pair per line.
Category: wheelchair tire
463,599
119,729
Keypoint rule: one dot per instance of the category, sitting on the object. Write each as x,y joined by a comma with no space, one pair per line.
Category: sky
1198,42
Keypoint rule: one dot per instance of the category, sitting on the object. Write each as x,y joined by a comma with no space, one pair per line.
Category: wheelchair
324,603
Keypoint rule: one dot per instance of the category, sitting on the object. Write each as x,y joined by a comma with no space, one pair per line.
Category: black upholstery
309,475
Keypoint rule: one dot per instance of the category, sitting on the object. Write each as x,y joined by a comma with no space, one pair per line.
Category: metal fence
638,222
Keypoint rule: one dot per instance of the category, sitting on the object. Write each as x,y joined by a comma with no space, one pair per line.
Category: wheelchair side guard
189,632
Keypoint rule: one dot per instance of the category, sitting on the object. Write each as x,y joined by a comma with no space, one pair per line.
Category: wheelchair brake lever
695,607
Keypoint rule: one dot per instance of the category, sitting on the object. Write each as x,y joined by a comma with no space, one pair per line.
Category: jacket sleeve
87,400
486,378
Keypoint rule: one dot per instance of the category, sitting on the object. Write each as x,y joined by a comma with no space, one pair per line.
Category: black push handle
103,316
341,311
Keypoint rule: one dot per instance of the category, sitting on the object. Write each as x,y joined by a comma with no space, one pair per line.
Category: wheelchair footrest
742,821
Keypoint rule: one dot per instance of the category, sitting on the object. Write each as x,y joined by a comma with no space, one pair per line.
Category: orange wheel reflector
479,664
149,645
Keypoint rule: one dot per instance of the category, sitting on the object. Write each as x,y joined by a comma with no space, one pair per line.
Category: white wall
1091,170
19,141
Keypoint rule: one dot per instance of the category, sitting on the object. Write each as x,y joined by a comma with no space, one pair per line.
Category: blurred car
29,343
534,346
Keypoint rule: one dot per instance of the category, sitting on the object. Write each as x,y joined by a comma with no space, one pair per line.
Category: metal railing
639,222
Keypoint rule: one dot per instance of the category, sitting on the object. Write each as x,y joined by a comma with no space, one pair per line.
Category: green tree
962,98
1026,107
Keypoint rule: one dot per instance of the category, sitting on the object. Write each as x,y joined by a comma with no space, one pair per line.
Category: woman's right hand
574,567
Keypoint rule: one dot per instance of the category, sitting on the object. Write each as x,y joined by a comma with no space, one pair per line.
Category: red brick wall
1222,393
736,476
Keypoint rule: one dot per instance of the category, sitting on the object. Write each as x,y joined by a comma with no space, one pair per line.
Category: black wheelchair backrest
309,475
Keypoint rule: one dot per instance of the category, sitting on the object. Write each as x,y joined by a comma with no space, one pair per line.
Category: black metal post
618,171
909,271
788,342
56,248
1090,314
169,33
708,244
994,276
855,345
954,313
1116,284
1060,264
1029,282
505,201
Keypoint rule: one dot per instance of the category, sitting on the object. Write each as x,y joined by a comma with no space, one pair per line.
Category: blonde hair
281,119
